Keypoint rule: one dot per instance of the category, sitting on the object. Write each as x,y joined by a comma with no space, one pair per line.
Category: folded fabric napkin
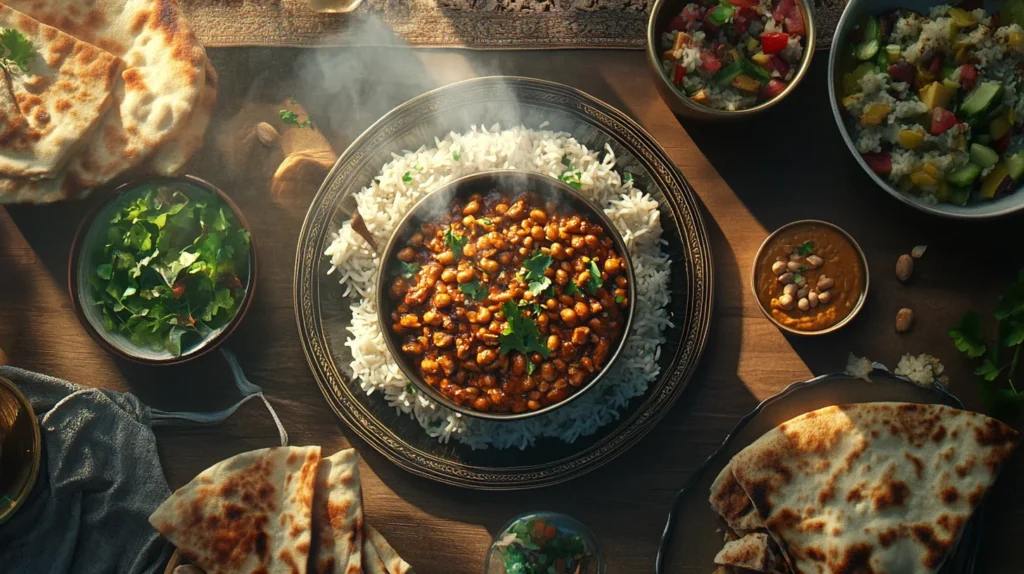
99,480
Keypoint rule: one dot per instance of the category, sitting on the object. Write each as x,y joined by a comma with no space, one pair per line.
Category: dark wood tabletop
751,177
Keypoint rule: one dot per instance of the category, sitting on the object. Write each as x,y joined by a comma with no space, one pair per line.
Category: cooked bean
431,317
445,258
561,277
814,262
553,342
469,250
803,304
406,254
591,241
790,289
547,372
582,311
824,297
471,208
442,300
580,335
568,317
489,265
786,302
486,356
429,366
413,348
409,321
779,267
904,267
812,299
448,275
442,339
786,278
465,275
825,283
539,216
482,404
612,265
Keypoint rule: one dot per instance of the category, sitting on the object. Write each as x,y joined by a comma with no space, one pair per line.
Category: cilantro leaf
805,248
406,270
456,155
619,299
104,271
17,50
988,370
290,118
455,242
798,278
474,290
967,336
520,333
571,288
566,161
572,177
407,177
627,177
533,271
485,221
595,282
1011,302
1011,333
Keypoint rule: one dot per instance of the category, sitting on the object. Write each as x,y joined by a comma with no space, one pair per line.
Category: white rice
382,205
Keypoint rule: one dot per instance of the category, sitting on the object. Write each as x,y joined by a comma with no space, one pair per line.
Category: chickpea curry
809,277
509,304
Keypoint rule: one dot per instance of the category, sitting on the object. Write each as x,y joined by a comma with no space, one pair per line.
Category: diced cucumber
983,155
965,176
959,195
981,98
893,53
867,49
1015,165
872,30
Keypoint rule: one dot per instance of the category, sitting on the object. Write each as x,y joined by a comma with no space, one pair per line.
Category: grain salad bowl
842,46
559,197
208,222
661,21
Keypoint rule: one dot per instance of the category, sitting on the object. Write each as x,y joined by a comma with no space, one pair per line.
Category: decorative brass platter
323,314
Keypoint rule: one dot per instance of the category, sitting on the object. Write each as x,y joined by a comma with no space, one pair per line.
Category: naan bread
379,557
171,158
732,504
46,111
338,515
753,552
248,512
874,487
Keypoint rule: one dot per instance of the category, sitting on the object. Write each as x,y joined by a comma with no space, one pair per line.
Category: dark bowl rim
712,114
85,226
861,258
388,252
37,450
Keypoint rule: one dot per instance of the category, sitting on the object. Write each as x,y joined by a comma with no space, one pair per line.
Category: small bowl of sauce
810,277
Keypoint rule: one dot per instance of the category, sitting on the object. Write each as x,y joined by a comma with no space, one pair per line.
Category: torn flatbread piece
338,515
753,552
872,487
48,108
249,513
731,503
379,557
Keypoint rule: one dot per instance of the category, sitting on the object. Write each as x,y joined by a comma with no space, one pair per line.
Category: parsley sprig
292,119
1001,389
572,177
455,242
595,282
17,50
533,272
474,290
521,332
406,270
805,248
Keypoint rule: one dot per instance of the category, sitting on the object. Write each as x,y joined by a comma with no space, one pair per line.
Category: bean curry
508,304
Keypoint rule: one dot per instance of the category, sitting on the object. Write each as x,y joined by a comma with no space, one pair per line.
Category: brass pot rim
861,258
37,449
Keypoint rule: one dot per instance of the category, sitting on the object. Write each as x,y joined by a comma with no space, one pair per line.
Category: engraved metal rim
861,257
681,205
37,449
694,479
384,322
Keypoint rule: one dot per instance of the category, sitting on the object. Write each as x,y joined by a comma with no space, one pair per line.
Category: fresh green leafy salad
538,547
171,268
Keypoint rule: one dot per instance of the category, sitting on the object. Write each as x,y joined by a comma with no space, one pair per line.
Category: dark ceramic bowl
512,182
82,264
662,14
20,449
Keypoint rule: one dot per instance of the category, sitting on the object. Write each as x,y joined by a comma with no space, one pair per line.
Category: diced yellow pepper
745,83
762,58
910,139
681,39
700,97
922,180
962,18
998,128
875,114
893,53
735,55
936,95
923,78
671,55
1015,39
992,180
850,101
961,54
1011,115
961,142
752,45
931,170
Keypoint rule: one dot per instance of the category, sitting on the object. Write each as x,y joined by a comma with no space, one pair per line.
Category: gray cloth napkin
99,481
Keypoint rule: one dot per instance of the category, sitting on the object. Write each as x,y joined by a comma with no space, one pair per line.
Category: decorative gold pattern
683,227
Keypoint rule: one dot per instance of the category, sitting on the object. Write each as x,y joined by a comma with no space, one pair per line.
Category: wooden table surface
751,178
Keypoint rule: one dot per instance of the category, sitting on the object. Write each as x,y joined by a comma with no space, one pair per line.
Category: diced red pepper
968,77
773,89
936,65
677,24
748,13
942,120
677,74
880,163
903,72
744,3
178,289
1002,144
780,10
788,11
774,42
780,65
693,13
709,62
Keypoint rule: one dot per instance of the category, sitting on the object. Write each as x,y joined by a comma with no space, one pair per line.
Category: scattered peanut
813,261
803,291
825,283
918,251
825,297
904,267
786,278
779,267
904,320
786,302
812,299
794,266
804,304
790,289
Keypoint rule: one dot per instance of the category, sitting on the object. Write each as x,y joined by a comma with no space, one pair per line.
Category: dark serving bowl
20,448
662,14
82,263
437,201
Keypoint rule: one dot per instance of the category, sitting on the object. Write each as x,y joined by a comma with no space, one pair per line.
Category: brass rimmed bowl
662,14
758,270
20,449
82,263
513,183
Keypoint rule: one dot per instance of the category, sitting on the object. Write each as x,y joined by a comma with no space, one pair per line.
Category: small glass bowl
593,564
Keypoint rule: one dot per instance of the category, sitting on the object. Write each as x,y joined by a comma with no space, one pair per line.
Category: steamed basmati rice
410,176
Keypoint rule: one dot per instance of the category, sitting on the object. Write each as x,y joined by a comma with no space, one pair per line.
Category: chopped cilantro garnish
798,278
627,177
619,299
595,282
566,161
456,155
406,270
533,272
520,333
455,242
474,290
16,50
805,248
407,177
485,221
292,119
572,177
572,289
